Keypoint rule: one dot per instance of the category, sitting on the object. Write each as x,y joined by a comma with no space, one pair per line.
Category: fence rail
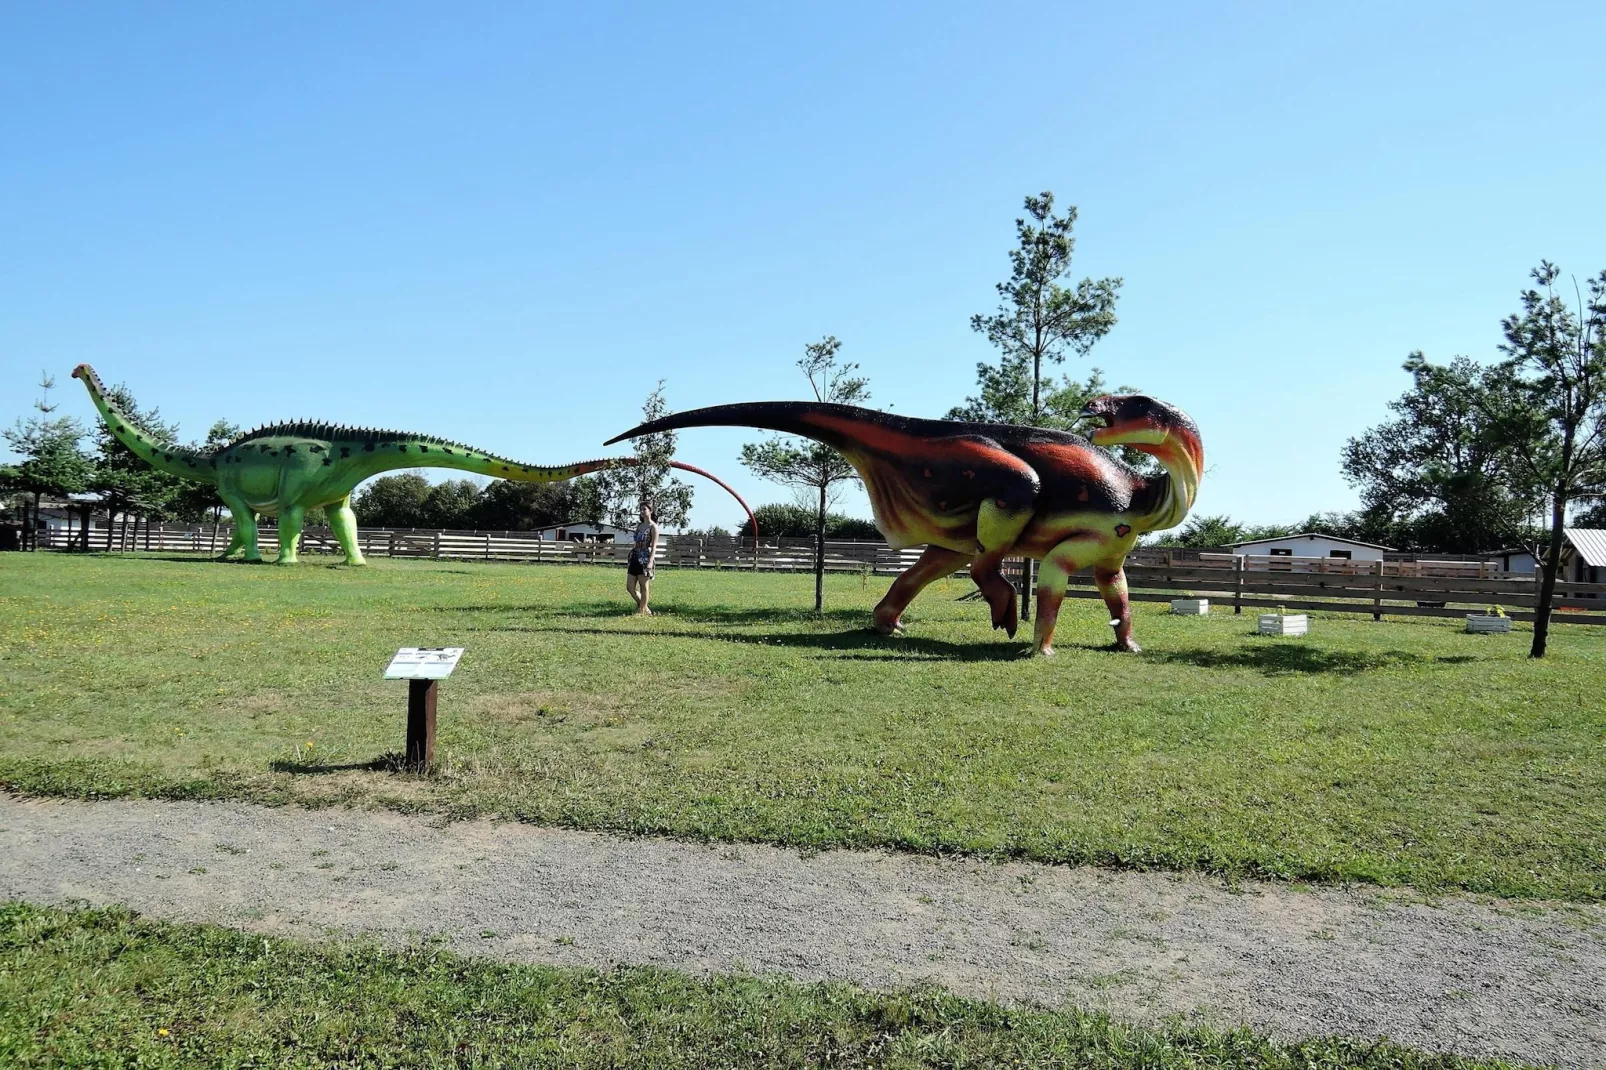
1424,587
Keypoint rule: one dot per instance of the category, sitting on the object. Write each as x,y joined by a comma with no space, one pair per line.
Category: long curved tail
751,519
845,427
585,467
163,456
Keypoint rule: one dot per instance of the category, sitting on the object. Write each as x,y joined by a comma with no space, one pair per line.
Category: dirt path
1478,978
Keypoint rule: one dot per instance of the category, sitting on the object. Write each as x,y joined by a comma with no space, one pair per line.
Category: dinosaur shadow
1301,659
727,615
854,644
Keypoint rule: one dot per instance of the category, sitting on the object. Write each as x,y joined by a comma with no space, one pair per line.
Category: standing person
638,572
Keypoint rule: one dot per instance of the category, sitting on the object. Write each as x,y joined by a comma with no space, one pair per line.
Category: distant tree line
409,500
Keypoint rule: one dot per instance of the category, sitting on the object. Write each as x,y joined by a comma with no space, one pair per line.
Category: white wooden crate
1284,624
1191,607
1477,622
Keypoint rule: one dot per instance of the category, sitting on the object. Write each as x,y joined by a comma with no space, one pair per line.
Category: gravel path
1487,978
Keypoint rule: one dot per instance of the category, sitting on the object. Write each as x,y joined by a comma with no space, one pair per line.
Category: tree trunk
819,554
33,529
1547,583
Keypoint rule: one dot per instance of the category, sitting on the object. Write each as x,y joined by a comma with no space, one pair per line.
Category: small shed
1583,556
1587,562
1312,544
1515,559
579,531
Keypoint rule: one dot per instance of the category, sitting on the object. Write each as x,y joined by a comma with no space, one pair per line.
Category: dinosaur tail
414,451
163,456
844,427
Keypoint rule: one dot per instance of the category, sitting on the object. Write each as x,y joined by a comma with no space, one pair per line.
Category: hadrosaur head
1140,421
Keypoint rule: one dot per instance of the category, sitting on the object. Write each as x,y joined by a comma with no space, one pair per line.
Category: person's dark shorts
636,567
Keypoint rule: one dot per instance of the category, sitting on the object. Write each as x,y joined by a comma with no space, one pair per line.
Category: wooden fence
1421,587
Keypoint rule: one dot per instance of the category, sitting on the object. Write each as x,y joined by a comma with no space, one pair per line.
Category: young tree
613,495
1039,319
1440,474
1552,408
814,470
52,460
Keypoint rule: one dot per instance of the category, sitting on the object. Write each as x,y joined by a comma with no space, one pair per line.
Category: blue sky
503,223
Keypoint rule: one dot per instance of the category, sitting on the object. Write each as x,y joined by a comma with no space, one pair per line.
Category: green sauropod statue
285,469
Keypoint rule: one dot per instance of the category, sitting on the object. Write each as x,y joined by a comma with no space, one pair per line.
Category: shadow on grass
385,763
862,644
727,615
1289,659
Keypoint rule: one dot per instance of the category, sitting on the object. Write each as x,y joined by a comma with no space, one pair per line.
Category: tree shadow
855,644
1303,659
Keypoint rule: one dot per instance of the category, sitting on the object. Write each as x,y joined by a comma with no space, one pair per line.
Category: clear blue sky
504,222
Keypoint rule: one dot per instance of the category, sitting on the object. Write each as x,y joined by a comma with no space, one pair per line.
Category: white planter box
1476,622
1191,607
1283,624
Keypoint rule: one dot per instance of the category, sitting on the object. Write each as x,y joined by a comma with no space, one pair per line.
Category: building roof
1590,544
1310,535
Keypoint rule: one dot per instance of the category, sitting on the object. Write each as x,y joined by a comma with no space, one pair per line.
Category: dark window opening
1280,551
1345,554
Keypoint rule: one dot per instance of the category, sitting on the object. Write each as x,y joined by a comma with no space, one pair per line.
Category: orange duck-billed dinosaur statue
979,493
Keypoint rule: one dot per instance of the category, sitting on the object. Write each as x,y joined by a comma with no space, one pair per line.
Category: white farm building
1312,544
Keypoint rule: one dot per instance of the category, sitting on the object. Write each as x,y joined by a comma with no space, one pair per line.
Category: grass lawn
1401,752
104,988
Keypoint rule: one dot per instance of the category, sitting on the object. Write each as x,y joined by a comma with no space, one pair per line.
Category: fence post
1377,593
1238,586
436,551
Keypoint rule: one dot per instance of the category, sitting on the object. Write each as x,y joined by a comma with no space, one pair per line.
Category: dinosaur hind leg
934,563
245,528
344,521
236,544
290,520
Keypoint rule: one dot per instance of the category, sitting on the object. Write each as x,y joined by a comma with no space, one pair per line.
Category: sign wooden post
420,752
423,668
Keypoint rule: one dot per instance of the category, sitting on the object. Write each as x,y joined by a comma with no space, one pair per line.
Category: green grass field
103,988
1401,752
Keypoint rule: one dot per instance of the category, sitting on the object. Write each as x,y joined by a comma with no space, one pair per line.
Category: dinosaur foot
1127,646
888,627
1044,651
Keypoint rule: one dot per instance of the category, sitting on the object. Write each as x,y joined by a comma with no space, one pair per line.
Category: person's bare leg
644,585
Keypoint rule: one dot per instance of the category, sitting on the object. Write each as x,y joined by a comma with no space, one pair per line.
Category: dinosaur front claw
1005,615
1127,646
